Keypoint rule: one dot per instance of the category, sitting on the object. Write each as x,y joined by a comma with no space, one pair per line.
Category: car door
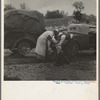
80,34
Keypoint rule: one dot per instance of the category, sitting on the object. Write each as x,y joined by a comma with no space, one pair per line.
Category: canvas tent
26,21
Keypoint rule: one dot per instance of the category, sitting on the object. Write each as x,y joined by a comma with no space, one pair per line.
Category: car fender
31,39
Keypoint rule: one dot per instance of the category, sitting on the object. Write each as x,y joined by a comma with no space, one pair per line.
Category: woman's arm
62,40
54,40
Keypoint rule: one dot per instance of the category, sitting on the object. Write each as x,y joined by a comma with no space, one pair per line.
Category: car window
72,28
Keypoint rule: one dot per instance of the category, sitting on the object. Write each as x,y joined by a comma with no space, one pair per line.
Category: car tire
23,47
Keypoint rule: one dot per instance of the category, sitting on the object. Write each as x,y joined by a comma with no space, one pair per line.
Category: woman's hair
56,32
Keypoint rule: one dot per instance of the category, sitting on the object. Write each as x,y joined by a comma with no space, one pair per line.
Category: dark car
83,36
21,30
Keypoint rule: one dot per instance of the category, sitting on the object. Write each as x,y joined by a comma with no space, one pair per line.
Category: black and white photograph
47,40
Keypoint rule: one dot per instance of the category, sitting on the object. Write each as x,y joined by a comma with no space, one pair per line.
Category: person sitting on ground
43,43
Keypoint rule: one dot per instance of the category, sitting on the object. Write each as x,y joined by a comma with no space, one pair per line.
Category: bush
54,14
77,15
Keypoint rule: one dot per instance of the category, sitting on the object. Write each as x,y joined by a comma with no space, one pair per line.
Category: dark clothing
63,54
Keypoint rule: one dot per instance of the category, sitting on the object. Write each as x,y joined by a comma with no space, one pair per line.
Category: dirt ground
82,67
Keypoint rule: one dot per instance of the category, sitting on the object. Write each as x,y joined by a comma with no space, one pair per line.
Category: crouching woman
43,43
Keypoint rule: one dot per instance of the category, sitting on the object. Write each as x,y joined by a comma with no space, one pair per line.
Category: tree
79,6
23,6
89,19
84,18
8,7
77,16
93,17
63,13
54,14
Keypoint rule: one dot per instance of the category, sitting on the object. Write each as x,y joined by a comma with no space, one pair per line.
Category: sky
44,5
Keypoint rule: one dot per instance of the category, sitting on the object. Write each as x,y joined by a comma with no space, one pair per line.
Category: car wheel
23,47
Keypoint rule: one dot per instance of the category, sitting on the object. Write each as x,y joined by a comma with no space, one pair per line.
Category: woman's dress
42,44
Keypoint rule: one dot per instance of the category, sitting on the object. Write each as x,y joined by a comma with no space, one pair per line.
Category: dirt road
82,67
